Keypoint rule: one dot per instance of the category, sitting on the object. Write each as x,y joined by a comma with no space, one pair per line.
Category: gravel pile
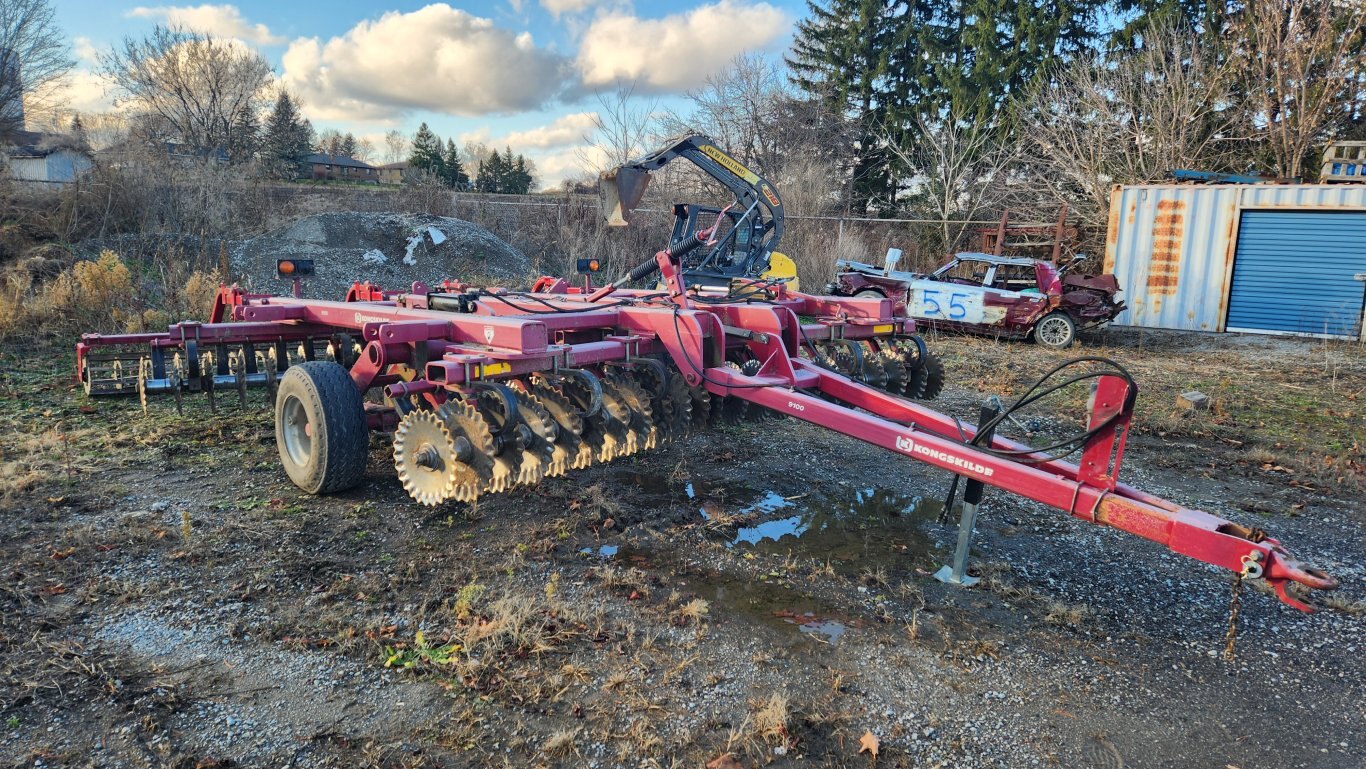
391,250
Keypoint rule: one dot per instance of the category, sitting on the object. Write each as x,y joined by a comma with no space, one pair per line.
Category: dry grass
693,611
1276,403
1070,615
770,719
560,743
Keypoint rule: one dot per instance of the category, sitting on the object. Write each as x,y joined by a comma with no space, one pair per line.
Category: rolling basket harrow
487,389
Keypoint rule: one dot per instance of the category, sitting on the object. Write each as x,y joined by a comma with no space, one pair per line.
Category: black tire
328,452
1056,330
869,293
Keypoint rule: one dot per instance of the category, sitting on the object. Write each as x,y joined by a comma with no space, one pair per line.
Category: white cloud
86,92
85,50
564,131
559,8
679,51
437,58
552,168
216,20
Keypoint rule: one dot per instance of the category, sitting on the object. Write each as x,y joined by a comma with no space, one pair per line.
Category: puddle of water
851,529
769,603
605,552
861,528
827,629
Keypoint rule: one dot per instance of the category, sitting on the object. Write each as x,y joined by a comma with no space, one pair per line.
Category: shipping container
1174,247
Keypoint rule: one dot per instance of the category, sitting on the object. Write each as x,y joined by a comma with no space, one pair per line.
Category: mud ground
763,590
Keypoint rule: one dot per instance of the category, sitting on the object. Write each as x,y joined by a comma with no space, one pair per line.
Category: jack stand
956,574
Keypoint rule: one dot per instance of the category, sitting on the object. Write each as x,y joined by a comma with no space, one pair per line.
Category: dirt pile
392,250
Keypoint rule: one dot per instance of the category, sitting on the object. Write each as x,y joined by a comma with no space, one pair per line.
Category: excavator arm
623,187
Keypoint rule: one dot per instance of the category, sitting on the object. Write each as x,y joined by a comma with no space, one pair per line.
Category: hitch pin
1252,565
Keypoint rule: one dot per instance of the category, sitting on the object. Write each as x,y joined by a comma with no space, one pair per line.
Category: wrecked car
1011,297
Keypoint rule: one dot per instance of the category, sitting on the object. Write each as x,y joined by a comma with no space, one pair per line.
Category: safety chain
1234,606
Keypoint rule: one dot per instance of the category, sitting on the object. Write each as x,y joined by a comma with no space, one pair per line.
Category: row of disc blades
503,435
897,367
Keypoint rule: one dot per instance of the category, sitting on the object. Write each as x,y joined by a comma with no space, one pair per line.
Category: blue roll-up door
1293,271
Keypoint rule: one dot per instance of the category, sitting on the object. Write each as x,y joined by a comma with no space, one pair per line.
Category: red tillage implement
487,389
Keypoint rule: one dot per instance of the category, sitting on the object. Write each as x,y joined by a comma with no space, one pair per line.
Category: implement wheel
320,428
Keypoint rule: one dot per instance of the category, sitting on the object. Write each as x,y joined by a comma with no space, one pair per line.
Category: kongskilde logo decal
362,319
904,443
488,334
966,464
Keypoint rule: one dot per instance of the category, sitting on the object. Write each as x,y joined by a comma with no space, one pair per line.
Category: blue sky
520,71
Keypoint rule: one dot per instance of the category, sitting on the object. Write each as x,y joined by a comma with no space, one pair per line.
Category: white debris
413,243
374,256
438,237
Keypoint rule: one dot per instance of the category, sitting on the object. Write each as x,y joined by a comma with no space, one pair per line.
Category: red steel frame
500,339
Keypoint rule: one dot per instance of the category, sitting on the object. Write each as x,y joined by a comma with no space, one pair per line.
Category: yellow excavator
747,241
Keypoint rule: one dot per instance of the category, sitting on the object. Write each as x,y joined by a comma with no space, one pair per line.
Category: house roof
320,158
33,144
401,165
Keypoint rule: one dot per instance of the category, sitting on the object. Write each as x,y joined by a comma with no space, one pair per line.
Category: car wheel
320,428
1056,330
869,293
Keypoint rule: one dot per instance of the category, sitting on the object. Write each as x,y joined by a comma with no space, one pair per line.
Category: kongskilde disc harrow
484,390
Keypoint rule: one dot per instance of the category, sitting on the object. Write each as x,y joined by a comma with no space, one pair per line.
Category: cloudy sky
520,72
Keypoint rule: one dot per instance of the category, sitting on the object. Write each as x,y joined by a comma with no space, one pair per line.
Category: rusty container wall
1172,245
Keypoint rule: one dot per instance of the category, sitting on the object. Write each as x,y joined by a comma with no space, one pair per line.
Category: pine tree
490,174
287,140
427,154
78,133
838,58
518,177
453,172
244,138
891,66
347,147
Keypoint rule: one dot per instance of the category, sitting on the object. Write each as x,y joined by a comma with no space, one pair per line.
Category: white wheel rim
1053,331
295,428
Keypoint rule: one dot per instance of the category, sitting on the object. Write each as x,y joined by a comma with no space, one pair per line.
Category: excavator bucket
621,190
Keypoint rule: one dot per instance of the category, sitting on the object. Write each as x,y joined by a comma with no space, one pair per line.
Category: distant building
393,173
52,158
1344,162
324,167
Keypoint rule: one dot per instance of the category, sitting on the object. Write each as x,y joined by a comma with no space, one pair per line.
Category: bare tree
33,58
396,147
739,108
330,142
958,167
365,150
189,88
1130,120
1301,64
623,128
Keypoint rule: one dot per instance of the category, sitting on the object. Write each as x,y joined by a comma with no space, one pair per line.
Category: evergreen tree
427,155
287,139
244,139
838,58
454,173
490,174
892,66
347,148
78,133
518,177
